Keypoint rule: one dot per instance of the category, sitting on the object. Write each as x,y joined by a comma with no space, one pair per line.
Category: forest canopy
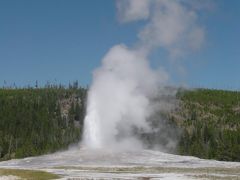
35,121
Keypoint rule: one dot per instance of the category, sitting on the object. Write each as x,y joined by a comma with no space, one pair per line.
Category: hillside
210,123
205,123
39,121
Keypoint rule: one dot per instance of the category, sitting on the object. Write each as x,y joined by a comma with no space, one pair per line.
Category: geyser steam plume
120,95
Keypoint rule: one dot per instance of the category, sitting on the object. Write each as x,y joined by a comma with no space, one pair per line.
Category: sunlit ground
144,164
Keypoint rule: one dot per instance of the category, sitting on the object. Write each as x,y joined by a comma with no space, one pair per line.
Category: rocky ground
144,164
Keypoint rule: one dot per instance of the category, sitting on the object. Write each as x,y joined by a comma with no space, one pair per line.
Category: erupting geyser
119,98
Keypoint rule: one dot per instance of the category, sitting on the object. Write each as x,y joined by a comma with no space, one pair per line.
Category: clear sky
61,41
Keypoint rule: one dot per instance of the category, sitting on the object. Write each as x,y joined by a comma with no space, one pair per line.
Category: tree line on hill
34,121
210,123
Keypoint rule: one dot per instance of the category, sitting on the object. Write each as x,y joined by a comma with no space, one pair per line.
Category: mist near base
127,95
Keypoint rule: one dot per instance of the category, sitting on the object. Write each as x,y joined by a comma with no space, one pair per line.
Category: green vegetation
36,121
28,174
39,121
210,120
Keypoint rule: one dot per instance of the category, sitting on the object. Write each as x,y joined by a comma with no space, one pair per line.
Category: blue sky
61,41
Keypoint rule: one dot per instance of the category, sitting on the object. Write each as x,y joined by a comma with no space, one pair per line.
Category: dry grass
232,171
28,174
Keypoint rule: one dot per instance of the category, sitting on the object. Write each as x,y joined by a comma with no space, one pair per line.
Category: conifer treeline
211,124
36,121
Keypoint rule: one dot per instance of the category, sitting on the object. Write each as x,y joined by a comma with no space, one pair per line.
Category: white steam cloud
171,24
119,95
119,98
